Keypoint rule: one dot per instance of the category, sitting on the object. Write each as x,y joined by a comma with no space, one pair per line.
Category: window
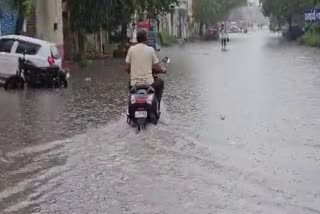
6,45
55,52
27,48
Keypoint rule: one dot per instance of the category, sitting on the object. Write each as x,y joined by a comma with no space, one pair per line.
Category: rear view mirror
166,60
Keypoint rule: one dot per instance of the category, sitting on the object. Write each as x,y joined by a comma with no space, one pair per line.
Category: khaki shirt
141,59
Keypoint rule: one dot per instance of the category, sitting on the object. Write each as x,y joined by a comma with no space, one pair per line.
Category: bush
311,38
121,51
83,60
91,53
166,39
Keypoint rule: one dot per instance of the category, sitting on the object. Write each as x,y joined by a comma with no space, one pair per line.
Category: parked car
40,53
233,28
212,33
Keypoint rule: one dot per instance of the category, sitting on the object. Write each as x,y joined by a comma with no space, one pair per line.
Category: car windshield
27,48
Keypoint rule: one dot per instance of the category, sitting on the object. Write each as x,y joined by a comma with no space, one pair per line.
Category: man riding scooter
142,63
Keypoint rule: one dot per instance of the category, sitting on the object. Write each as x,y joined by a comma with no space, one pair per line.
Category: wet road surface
239,134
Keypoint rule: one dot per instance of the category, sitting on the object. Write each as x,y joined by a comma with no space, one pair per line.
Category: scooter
37,77
143,105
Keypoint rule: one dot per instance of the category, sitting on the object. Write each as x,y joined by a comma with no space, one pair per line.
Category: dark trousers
223,42
158,86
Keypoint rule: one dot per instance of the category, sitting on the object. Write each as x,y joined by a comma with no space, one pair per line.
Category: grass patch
83,60
311,38
166,39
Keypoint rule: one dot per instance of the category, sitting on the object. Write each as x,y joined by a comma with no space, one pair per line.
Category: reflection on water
35,116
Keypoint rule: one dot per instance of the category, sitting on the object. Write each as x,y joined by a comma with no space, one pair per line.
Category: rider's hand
157,68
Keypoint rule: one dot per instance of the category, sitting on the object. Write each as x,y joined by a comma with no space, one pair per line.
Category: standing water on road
239,134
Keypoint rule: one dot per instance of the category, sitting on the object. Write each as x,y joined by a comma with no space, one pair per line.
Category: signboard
312,15
144,25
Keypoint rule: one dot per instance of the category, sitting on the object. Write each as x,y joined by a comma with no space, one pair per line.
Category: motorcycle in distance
37,77
143,105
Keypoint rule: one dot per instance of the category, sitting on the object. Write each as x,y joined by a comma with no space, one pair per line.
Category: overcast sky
255,1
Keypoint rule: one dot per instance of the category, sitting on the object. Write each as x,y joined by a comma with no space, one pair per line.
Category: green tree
285,11
89,16
208,12
155,7
24,9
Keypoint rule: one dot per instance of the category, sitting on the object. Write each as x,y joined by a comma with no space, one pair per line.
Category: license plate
141,114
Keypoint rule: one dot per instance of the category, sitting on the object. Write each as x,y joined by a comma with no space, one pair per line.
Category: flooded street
239,134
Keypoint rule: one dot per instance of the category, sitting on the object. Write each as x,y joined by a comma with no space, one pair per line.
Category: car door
6,47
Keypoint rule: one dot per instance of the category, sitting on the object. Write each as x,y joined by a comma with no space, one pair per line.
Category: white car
39,52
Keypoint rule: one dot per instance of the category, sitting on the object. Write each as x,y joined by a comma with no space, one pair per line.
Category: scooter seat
142,87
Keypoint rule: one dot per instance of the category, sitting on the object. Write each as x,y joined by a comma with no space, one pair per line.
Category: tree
285,11
24,9
155,7
208,12
89,16
124,9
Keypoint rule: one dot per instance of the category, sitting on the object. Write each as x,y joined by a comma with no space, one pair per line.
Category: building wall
8,18
30,26
49,22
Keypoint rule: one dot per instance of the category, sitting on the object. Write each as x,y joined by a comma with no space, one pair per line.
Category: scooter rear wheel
141,124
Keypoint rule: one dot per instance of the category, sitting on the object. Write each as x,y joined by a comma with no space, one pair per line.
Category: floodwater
239,133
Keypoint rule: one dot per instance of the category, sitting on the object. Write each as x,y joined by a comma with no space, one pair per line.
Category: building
8,18
49,22
44,23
